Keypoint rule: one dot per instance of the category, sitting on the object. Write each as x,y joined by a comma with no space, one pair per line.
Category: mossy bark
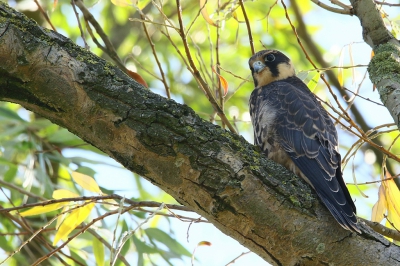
216,173
384,68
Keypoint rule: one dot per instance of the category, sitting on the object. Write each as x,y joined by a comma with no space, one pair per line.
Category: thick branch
384,67
216,173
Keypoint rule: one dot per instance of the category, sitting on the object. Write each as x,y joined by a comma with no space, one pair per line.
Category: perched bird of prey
293,129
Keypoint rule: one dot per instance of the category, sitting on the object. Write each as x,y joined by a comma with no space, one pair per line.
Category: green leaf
63,136
167,240
98,251
314,81
78,256
127,245
142,247
5,245
10,173
10,114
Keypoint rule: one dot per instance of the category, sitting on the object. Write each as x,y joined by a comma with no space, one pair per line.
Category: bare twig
163,78
196,72
79,24
374,182
269,11
220,93
20,190
238,257
383,230
346,116
46,17
246,19
386,4
344,11
109,48
391,223
132,203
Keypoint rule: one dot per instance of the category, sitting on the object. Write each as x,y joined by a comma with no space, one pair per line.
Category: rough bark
384,68
218,174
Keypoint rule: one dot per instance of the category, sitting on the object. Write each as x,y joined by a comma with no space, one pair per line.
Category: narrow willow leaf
122,3
379,208
393,205
86,182
340,70
63,193
204,13
43,209
313,82
75,218
61,218
98,251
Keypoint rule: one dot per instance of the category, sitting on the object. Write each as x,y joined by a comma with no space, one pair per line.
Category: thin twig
220,92
196,72
347,11
143,20
391,223
246,19
383,230
386,4
128,234
269,11
132,203
163,78
46,17
109,48
347,117
79,24
374,182
238,257
20,190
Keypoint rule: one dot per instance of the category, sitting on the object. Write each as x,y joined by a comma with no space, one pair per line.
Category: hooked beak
258,66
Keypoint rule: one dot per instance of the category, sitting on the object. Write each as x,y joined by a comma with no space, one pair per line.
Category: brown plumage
293,129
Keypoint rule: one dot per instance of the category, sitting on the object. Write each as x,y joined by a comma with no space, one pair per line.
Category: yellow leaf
61,218
122,2
392,198
43,209
340,70
75,218
380,206
63,193
204,13
86,182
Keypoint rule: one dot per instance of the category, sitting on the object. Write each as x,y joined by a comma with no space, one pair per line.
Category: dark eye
269,58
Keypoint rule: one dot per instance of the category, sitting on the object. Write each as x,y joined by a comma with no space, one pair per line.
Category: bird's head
270,65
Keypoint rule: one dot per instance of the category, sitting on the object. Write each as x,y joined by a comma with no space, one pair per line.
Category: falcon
293,129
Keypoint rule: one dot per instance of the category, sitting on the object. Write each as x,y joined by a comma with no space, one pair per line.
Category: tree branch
384,66
216,173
